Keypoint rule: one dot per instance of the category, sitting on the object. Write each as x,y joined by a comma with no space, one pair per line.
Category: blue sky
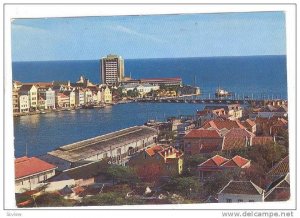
155,36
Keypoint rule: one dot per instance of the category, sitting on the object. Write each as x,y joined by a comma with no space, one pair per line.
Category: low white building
141,88
241,191
50,99
30,172
24,103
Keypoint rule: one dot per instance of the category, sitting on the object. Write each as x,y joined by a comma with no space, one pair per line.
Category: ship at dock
222,93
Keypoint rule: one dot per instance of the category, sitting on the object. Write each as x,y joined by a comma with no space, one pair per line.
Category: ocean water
258,75
42,133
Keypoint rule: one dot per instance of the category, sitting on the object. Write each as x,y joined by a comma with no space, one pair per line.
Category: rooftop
26,166
281,168
242,187
203,133
220,124
83,149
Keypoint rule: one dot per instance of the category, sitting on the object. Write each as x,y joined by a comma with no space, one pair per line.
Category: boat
90,106
222,93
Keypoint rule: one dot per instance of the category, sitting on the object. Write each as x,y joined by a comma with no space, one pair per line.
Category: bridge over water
193,99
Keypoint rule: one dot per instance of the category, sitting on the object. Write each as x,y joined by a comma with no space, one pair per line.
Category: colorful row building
28,97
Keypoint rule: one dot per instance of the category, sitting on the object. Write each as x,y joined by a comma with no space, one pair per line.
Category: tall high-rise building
112,69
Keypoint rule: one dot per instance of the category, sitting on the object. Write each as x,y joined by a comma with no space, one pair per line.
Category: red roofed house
29,171
218,163
164,161
250,125
199,141
237,138
221,124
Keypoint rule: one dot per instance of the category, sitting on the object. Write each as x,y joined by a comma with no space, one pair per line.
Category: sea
255,76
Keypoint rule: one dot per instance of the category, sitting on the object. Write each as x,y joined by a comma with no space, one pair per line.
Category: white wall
222,198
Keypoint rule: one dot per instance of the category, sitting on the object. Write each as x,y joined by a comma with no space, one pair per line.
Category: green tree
183,185
121,174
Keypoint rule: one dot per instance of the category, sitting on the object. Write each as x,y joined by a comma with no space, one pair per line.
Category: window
251,200
228,200
240,200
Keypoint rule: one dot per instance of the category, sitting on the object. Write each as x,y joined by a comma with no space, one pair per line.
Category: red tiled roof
153,150
220,124
236,161
234,143
203,133
216,160
239,133
262,140
26,166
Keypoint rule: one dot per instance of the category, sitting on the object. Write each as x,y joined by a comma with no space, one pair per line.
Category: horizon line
222,56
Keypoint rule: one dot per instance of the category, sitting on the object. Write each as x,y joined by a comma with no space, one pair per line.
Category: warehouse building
116,146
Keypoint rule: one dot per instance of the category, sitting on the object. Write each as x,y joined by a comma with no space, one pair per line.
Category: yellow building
106,95
165,162
31,91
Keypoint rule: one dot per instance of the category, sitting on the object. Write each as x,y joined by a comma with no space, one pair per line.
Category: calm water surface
45,132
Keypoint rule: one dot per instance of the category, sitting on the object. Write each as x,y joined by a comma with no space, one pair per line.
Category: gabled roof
26,166
219,161
153,150
203,133
25,88
282,182
239,133
281,168
220,124
242,187
216,160
236,161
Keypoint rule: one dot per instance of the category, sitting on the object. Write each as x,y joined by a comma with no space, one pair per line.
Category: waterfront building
62,100
15,99
116,146
17,84
72,98
199,141
41,94
42,103
176,81
79,97
24,103
142,89
30,172
112,69
241,191
50,98
31,91
83,82
106,95
165,162
88,96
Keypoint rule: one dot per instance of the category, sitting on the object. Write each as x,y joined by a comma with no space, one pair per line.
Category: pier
193,99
